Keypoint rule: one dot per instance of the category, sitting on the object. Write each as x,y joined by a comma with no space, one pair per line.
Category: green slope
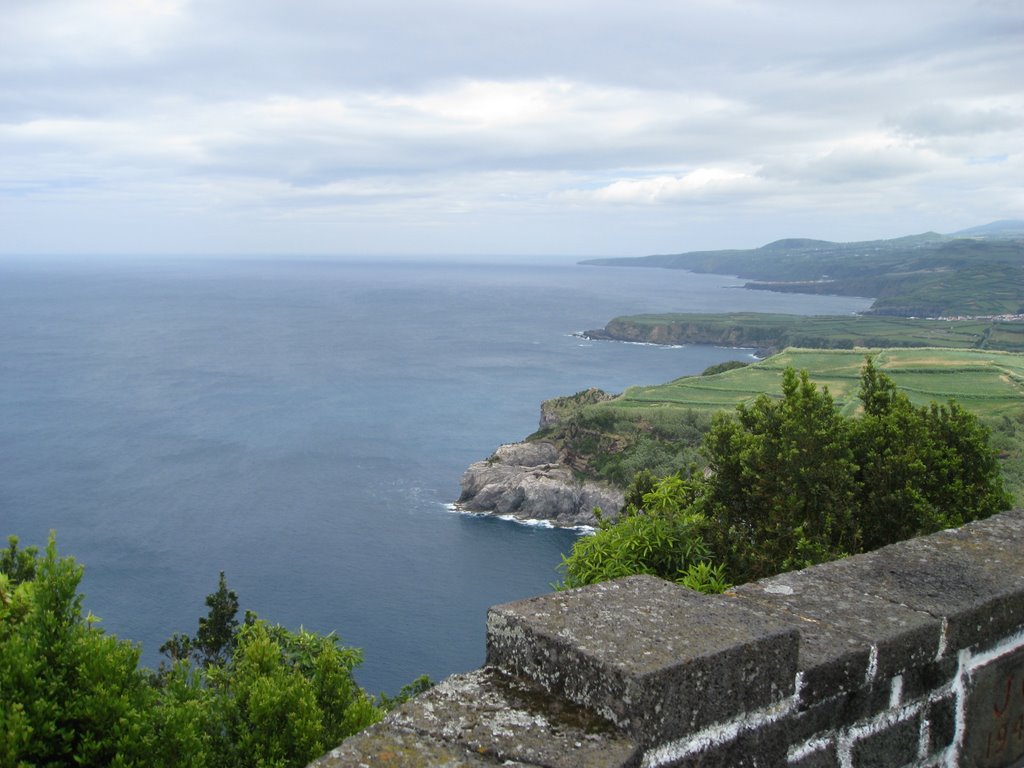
927,275
660,427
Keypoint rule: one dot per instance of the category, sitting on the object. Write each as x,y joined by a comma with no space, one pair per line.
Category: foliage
792,482
777,331
254,694
782,483
661,537
728,365
919,276
281,698
421,684
933,464
215,639
613,444
69,694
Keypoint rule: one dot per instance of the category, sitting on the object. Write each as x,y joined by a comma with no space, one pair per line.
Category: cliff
531,481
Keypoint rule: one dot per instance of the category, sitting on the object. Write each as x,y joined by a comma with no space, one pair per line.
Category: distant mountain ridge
1004,227
977,272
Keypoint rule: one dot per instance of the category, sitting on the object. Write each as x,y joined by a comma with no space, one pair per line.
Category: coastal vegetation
926,275
770,333
661,427
246,693
796,480
944,308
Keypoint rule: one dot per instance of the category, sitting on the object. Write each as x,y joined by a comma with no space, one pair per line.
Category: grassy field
661,427
988,383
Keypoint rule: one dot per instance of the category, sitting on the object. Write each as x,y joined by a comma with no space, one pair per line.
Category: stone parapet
912,655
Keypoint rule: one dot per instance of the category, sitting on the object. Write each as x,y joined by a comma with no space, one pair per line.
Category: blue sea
302,425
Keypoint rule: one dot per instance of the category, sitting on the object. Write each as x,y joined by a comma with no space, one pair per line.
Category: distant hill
1004,228
973,273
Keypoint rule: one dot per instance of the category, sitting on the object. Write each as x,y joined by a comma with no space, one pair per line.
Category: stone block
512,719
381,746
972,577
994,713
923,680
656,659
847,638
762,747
941,715
889,747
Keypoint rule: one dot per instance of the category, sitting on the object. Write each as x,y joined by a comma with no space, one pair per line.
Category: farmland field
988,383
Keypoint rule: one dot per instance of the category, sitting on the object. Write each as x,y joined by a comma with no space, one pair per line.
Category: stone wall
912,655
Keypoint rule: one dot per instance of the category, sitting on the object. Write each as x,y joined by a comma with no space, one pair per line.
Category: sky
571,127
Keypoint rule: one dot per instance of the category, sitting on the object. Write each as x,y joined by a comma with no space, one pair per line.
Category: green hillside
988,383
927,275
660,427
772,332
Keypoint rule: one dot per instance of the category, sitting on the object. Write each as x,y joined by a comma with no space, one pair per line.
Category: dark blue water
302,425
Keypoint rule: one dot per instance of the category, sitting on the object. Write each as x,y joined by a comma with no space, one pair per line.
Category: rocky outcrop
558,409
530,481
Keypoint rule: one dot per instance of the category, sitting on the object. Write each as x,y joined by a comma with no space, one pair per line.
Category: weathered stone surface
847,638
912,655
513,719
823,757
972,577
655,658
941,716
889,747
994,713
529,481
382,746
763,747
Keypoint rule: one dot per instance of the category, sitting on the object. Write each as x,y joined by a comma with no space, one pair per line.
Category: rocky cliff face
530,481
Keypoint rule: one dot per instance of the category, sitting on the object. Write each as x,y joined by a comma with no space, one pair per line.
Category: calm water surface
302,425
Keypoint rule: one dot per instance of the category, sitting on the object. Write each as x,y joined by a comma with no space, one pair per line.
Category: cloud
699,185
559,115
937,119
870,157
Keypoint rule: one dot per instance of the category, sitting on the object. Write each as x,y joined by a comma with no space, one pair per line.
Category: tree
782,482
919,469
214,640
791,482
69,694
254,694
662,535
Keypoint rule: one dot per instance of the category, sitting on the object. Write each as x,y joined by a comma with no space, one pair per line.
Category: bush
254,694
791,483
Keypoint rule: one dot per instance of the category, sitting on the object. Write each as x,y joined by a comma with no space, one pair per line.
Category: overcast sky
484,126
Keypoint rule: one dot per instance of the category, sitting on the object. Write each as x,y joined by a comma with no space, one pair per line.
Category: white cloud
48,33
562,116
701,184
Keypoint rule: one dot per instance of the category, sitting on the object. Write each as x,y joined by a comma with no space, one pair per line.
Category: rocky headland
530,481
535,479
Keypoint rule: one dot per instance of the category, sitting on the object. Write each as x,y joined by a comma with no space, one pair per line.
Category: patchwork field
988,383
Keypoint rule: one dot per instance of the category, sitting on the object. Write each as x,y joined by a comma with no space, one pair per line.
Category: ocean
302,424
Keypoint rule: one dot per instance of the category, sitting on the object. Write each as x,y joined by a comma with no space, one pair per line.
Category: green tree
69,694
791,482
919,469
215,638
782,482
72,695
662,535
256,694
